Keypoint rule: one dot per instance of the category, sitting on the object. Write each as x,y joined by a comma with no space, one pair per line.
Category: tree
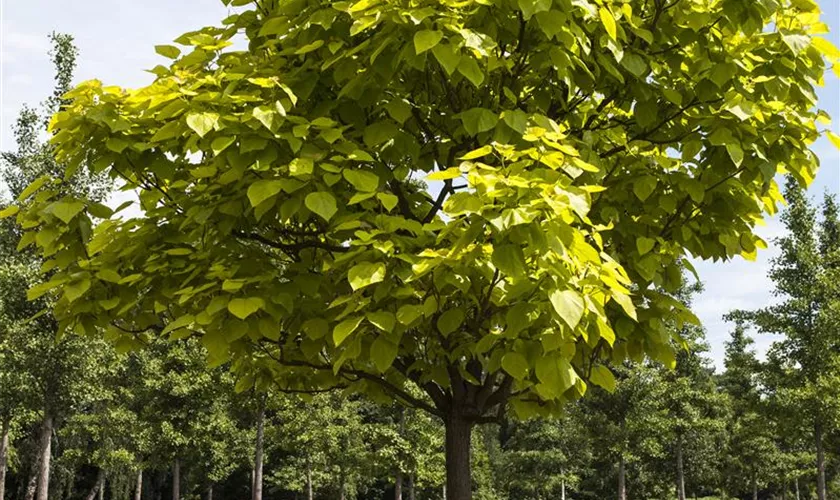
805,276
582,151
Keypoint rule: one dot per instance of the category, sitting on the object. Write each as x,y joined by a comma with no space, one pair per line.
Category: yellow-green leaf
608,20
515,364
244,307
345,328
202,123
262,190
426,39
321,203
569,306
169,51
365,274
383,352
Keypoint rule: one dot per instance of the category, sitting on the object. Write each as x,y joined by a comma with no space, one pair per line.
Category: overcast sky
116,39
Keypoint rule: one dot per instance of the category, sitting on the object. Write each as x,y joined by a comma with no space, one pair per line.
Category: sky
116,39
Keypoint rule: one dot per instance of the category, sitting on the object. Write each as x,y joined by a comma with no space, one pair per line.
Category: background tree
805,275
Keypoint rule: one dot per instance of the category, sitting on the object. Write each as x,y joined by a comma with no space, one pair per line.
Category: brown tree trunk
43,488
622,487
4,451
176,480
458,472
258,456
818,438
309,493
680,470
138,488
97,486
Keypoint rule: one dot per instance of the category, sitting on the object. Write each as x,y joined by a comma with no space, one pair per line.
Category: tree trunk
796,486
4,451
818,438
343,489
210,492
444,491
398,477
680,470
102,487
176,480
458,473
755,487
138,489
411,489
309,493
784,490
43,488
622,487
97,486
563,489
258,456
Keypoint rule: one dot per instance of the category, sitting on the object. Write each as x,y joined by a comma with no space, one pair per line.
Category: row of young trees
586,150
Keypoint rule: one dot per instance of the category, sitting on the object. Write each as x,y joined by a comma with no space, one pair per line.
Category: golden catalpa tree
467,206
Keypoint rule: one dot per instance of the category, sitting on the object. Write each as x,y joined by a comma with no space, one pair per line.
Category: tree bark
258,456
796,485
755,487
4,451
818,438
97,486
458,472
43,488
138,488
176,480
622,487
444,491
563,489
309,493
102,487
210,492
398,477
680,470
411,489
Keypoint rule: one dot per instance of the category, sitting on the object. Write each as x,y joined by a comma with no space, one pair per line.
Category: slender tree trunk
210,492
258,456
398,477
563,490
138,488
754,487
43,488
622,487
343,488
818,438
411,492
102,487
309,493
176,480
97,486
458,473
32,484
680,470
784,490
4,451
444,491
